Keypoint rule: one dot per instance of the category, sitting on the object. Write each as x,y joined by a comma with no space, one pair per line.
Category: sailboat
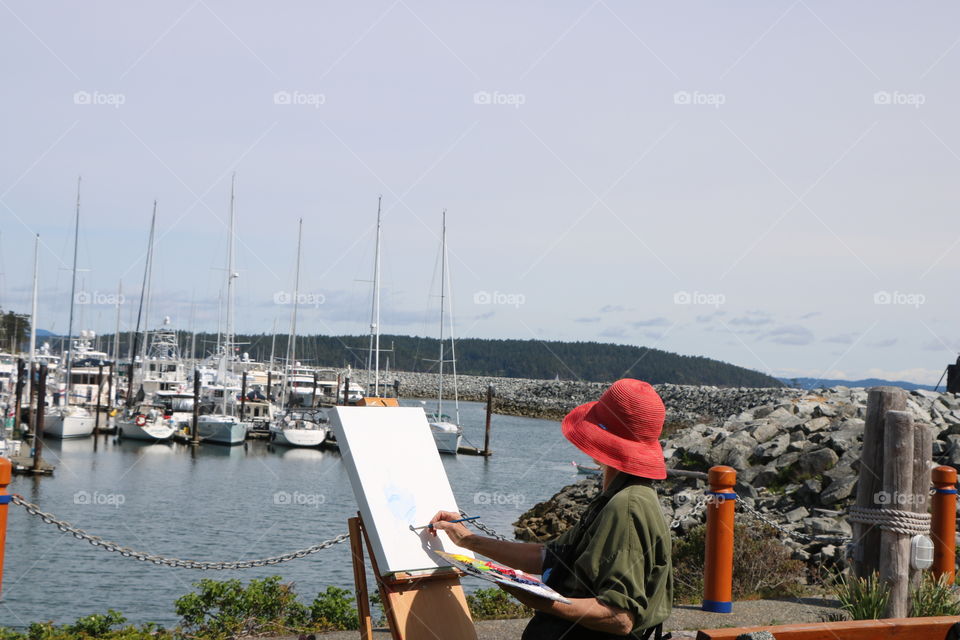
148,420
296,428
68,420
225,427
446,432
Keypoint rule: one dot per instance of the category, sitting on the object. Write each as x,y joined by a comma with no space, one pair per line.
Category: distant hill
591,361
817,383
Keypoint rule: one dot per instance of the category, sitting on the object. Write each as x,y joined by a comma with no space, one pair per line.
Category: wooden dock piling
897,488
38,418
194,434
866,536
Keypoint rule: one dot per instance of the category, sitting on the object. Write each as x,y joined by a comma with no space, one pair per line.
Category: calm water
221,504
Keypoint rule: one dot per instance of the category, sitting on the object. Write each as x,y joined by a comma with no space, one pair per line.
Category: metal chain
802,537
143,556
482,527
697,508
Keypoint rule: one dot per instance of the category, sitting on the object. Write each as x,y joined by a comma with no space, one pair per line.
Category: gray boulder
839,489
817,461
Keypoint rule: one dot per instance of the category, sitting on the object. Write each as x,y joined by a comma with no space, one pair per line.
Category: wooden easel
418,607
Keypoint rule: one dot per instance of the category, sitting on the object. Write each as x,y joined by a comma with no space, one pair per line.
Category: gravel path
750,613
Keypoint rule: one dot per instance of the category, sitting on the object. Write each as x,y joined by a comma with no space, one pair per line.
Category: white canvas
398,481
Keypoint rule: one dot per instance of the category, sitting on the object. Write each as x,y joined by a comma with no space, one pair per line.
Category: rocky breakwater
553,399
797,459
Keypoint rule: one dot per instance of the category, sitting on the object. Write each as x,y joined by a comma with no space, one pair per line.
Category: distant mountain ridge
818,383
588,361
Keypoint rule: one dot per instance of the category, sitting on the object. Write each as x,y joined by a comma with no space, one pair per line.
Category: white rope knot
907,523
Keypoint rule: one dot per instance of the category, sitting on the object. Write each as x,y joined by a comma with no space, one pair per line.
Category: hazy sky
772,184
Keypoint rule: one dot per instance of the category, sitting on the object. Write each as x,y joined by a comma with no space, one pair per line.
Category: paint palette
501,574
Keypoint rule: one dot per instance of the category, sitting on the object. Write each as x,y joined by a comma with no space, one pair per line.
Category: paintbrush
430,526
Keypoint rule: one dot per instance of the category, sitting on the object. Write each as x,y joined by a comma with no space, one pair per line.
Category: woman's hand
456,531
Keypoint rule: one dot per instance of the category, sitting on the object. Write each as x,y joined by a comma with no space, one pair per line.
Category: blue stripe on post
717,607
945,490
5,499
727,495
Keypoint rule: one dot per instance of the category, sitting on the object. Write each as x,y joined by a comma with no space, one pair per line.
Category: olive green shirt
623,558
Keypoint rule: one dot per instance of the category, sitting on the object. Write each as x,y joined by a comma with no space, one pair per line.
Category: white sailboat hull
221,430
73,422
292,437
446,436
153,431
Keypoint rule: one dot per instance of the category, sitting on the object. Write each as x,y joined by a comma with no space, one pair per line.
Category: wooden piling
21,380
898,443
346,391
486,431
243,396
38,418
922,464
109,391
313,393
194,434
269,386
867,537
96,415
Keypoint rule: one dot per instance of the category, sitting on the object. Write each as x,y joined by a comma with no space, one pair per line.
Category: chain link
482,527
697,508
143,556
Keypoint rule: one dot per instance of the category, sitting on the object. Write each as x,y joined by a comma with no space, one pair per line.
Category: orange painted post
718,558
5,473
943,528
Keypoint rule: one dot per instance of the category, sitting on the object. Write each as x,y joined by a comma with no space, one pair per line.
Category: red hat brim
639,458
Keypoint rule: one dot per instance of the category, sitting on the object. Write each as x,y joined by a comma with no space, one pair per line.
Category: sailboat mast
230,273
115,352
148,288
453,347
33,312
443,275
228,338
134,348
73,293
373,357
292,342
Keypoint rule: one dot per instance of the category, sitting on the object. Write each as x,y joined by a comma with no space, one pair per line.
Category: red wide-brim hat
622,429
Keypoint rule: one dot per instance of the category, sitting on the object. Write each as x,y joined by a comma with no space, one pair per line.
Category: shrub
331,609
265,607
862,598
762,566
495,604
934,598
